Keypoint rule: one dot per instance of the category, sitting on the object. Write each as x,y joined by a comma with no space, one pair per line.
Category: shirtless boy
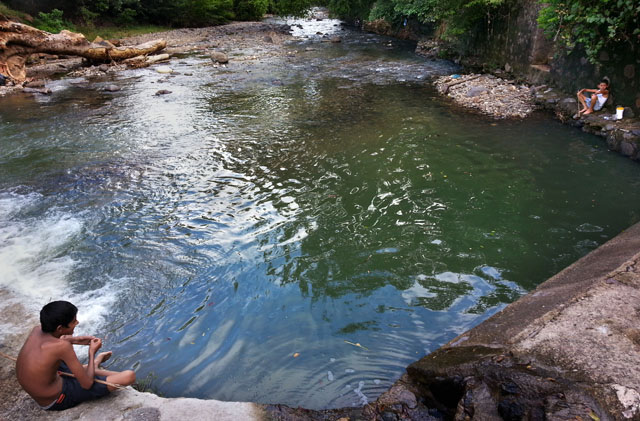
596,101
49,349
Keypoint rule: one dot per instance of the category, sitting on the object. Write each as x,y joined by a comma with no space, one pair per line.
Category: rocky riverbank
501,98
568,350
239,41
621,136
488,94
527,361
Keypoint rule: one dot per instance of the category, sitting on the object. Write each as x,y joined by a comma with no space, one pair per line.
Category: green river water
235,239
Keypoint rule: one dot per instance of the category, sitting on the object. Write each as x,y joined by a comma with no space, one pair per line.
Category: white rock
164,69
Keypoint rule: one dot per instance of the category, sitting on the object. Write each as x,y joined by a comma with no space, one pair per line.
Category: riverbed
292,229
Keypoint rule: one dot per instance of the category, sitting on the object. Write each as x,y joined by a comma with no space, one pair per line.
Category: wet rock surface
488,94
485,384
621,135
566,351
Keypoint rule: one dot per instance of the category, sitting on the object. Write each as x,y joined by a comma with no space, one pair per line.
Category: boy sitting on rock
49,350
596,101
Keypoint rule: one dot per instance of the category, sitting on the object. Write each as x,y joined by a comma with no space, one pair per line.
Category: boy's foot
588,112
102,357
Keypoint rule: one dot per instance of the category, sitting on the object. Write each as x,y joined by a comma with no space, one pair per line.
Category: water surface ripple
238,238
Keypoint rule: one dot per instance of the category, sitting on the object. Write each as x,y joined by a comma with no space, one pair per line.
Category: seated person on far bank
49,350
596,101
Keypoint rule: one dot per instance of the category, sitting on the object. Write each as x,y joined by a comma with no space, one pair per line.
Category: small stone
164,69
43,91
103,68
162,92
627,148
219,57
628,112
34,84
336,40
475,91
389,416
112,88
143,414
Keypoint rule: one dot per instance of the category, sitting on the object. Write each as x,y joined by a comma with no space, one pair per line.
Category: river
297,231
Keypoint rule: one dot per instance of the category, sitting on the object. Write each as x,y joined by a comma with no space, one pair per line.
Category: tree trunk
18,41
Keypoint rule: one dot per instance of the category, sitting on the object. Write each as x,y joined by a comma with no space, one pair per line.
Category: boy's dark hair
57,313
606,80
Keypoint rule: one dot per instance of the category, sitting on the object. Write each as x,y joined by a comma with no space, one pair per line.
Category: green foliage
250,9
290,7
351,9
52,22
88,17
202,12
457,16
596,25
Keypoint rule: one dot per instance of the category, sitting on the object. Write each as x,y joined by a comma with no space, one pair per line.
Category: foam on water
35,264
32,260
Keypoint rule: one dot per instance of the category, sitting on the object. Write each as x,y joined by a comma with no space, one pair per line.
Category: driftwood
144,61
18,41
449,86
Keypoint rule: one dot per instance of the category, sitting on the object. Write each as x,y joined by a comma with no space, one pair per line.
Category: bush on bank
595,25
51,14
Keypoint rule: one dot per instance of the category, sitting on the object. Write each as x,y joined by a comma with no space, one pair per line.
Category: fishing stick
63,373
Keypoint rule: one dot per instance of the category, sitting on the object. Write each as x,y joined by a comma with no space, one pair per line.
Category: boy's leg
582,101
592,103
123,378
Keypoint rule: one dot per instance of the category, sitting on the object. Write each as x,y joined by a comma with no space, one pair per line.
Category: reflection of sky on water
292,208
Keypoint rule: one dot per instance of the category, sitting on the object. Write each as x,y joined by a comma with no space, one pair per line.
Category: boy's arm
78,340
83,375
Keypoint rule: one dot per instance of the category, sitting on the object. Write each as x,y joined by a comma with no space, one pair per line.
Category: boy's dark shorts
73,394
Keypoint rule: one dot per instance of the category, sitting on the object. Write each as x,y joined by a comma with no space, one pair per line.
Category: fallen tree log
18,41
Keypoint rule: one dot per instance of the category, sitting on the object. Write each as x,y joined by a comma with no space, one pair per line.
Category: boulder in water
219,57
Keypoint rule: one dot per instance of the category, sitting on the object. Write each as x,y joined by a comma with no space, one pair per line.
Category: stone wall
513,41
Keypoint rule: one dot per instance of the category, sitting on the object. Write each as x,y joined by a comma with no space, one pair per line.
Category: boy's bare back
37,366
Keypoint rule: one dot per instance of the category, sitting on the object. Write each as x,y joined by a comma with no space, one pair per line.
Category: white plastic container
619,113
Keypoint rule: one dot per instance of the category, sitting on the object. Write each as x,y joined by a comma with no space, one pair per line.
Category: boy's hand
95,345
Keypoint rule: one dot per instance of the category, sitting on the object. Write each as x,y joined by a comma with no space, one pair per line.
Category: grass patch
118,32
